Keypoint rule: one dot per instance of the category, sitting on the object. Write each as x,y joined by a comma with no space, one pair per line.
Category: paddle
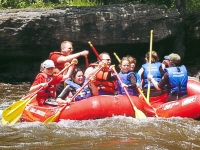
95,51
117,57
150,54
13,113
138,113
53,118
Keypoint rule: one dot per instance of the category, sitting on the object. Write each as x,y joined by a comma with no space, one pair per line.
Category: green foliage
80,2
11,4
191,5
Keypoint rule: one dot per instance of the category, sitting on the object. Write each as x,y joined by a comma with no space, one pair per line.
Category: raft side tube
193,87
188,107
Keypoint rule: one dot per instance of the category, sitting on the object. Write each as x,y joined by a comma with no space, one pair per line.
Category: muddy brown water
118,132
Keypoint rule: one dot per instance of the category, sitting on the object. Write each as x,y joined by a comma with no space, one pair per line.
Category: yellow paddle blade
12,113
139,113
52,118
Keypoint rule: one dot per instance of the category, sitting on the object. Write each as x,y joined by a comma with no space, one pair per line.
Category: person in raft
105,80
129,78
62,58
47,81
156,71
74,83
132,62
175,78
132,68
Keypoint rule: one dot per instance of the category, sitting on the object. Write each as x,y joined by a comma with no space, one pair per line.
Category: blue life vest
85,93
155,71
178,78
125,77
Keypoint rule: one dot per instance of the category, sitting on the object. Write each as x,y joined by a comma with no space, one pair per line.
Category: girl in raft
46,81
132,67
73,85
129,78
132,62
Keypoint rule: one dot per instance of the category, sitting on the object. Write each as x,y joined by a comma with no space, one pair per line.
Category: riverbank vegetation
189,5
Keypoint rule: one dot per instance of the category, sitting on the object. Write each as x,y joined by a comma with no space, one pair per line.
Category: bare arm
94,89
63,59
37,87
140,72
68,73
90,71
155,83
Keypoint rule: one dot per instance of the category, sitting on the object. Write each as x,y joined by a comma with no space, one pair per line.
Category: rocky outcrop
27,36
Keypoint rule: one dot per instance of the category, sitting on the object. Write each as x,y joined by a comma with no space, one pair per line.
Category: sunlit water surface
118,132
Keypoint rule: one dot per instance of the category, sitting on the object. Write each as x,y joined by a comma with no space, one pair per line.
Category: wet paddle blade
52,118
139,113
12,113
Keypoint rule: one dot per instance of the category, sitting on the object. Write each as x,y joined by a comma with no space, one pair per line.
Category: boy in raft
76,81
156,71
175,78
128,77
47,81
105,80
65,56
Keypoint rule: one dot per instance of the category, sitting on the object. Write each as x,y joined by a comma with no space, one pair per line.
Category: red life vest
59,66
49,91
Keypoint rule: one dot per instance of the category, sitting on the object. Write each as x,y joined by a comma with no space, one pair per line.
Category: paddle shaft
117,57
94,50
150,57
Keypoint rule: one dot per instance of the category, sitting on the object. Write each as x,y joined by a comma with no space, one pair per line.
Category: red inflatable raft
107,106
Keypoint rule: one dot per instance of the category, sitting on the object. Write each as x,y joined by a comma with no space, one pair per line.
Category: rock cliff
27,36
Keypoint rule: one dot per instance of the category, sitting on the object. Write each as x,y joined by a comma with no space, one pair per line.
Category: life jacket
178,78
155,71
125,77
103,83
85,93
48,92
59,66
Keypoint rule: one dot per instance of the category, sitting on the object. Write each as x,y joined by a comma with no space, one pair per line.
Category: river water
110,133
